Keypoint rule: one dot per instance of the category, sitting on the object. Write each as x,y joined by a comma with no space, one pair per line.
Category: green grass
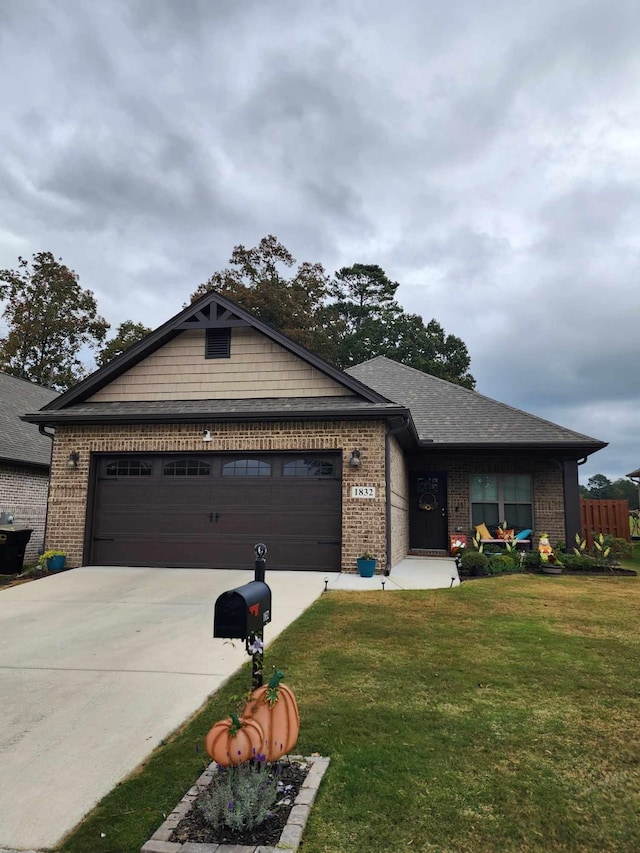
500,716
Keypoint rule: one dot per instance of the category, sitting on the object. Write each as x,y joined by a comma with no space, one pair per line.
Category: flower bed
172,836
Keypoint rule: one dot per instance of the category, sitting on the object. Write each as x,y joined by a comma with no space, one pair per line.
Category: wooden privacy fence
604,517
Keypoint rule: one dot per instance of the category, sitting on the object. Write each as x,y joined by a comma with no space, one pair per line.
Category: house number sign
363,491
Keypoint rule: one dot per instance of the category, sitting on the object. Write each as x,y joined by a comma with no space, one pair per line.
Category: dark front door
428,511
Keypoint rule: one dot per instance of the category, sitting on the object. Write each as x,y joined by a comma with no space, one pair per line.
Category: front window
501,497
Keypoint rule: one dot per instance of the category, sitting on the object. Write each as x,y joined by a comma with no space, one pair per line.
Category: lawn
498,716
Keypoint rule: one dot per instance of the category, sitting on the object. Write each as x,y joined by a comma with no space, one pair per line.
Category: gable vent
218,343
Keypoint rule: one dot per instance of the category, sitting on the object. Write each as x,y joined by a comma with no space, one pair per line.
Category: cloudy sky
486,155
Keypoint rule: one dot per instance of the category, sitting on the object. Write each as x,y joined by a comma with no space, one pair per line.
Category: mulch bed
194,828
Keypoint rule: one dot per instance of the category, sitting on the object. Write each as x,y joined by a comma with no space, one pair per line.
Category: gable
257,367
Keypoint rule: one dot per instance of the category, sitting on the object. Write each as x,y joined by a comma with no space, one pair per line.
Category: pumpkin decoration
275,709
234,741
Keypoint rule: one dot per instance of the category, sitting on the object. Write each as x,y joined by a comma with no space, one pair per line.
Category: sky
485,155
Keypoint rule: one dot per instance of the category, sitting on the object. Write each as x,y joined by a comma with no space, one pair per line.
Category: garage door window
128,468
246,468
187,468
308,468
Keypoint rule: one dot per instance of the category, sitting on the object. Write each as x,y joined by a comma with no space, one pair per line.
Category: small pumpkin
234,741
274,708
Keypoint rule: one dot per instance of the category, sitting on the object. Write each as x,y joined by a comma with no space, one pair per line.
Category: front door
428,511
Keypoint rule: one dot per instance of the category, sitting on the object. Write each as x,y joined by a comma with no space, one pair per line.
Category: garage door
208,511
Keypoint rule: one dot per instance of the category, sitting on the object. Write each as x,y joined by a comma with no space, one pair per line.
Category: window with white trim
501,497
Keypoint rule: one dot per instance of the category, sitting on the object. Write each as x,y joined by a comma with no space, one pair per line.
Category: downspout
43,431
387,481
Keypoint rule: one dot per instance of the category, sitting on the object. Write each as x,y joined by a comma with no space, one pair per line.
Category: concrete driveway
97,666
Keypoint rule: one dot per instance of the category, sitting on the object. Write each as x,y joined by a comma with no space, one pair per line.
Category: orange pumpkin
275,709
234,741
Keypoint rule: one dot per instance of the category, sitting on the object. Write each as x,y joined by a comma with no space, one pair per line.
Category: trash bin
13,544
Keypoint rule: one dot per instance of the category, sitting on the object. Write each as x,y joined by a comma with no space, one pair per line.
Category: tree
345,320
257,280
370,322
600,487
127,334
50,320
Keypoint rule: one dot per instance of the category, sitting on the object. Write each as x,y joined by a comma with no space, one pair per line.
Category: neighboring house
216,432
25,456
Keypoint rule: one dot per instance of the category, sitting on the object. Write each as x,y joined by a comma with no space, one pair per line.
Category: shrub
474,563
531,561
620,548
500,563
242,797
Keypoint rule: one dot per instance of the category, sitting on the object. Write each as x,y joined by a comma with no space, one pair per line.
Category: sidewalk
410,573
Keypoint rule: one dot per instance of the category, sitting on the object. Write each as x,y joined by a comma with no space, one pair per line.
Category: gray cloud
485,156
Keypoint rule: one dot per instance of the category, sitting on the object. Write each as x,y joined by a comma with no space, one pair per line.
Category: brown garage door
208,511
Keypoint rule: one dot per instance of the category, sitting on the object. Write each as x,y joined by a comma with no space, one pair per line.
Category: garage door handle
214,516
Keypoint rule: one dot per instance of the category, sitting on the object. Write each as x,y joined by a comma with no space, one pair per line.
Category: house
25,455
216,432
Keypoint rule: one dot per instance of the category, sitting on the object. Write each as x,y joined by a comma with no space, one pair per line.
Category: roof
19,441
194,411
210,311
634,473
448,415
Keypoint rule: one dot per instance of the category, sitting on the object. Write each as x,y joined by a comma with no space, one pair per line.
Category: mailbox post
243,612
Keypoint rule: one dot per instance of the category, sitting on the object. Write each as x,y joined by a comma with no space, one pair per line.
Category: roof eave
49,418
583,448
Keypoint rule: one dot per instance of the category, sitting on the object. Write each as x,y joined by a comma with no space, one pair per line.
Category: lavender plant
242,796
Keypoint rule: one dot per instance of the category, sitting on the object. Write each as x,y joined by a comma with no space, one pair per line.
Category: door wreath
428,501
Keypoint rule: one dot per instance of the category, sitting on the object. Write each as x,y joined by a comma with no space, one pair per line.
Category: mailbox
242,611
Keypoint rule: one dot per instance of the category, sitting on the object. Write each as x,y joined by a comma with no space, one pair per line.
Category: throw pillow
483,531
524,534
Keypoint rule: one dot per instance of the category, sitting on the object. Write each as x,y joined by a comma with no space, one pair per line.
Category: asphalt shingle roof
271,407
444,413
20,441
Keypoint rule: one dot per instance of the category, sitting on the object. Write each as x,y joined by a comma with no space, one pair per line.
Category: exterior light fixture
326,582
355,461
206,435
73,459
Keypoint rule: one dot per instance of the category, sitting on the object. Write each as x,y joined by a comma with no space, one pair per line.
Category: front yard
498,716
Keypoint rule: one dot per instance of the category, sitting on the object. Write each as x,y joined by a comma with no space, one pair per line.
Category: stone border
291,834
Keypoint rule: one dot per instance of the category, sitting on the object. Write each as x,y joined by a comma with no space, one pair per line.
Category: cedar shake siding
257,368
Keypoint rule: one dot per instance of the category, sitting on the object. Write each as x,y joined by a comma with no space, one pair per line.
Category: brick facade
547,487
23,493
363,520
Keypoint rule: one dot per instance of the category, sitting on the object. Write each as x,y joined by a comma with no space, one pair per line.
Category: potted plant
53,559
366,564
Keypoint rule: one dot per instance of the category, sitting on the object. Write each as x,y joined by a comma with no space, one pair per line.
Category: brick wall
547,485
23,493
399,503
363,520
